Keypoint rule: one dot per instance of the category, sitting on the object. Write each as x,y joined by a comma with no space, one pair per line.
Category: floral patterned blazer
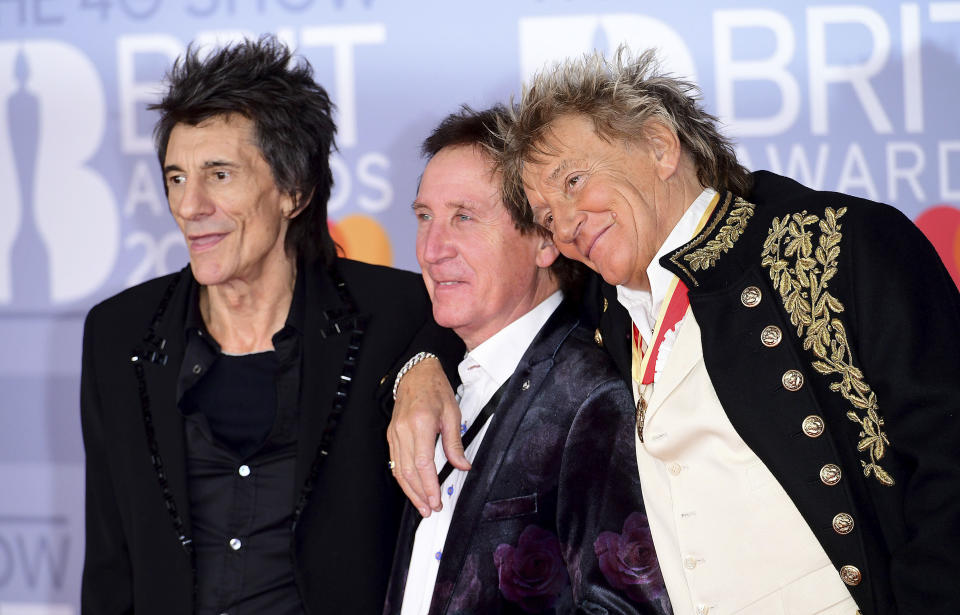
551,519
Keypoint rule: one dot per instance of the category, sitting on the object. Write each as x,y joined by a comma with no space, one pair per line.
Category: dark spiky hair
292,116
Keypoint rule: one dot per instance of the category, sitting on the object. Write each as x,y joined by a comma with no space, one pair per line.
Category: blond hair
620,95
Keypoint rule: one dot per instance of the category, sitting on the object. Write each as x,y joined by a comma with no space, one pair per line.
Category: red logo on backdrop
941,225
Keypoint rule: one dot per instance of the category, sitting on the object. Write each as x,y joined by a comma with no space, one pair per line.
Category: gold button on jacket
812,426
792,380
771,336
851,575
830,474
751,296
842,524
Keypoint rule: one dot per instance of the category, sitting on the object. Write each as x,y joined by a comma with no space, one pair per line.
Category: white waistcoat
729,539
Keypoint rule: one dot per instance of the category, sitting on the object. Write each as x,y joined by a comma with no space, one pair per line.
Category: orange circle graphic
362,238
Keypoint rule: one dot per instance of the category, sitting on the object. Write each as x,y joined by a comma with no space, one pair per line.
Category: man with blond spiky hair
792,353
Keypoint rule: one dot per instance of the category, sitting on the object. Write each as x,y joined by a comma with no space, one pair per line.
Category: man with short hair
792,352
550,519
234,413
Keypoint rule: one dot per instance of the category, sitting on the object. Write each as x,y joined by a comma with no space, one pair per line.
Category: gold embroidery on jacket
803,289
734,225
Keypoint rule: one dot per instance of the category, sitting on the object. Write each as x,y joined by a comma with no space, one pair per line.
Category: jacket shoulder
878,227
580,362
375,287
377,273
776,195
377,278
135,303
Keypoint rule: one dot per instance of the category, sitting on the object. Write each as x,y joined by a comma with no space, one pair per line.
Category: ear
665,147
547,253
294,204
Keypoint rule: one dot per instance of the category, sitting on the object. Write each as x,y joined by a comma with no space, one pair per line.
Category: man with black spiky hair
234,412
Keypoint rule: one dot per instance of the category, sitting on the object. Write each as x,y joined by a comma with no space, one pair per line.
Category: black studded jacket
360,320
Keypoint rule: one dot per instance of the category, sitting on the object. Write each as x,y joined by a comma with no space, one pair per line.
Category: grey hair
620,95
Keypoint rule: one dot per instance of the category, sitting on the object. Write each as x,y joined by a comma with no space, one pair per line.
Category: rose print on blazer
532,574
628,560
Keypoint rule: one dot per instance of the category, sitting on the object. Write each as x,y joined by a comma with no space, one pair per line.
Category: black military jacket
855,409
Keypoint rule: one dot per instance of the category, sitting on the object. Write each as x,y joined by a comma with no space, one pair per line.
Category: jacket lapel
329,327
409,523
533,367
686,353
160,355
616,325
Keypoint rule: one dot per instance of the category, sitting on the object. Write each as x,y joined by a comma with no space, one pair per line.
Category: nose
567,224
191,201
434,242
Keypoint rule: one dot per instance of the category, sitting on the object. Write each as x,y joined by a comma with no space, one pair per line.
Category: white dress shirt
644,306
482,372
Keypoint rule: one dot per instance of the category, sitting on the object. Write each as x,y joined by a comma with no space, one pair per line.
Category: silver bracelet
420,356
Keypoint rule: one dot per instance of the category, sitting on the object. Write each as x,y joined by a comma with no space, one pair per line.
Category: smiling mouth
446,285
199,243
593,243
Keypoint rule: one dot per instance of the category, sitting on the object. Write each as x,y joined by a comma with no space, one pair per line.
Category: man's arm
425,406
107,587
906,326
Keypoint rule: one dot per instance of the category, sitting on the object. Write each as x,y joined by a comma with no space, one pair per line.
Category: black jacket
870,319
347,503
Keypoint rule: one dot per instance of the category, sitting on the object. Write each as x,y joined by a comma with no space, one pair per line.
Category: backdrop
858,98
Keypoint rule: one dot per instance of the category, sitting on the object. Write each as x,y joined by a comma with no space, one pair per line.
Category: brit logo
60,236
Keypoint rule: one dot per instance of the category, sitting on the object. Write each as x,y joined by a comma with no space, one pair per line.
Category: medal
641,414
672,310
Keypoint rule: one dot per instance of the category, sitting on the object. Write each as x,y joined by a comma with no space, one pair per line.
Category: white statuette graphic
73,208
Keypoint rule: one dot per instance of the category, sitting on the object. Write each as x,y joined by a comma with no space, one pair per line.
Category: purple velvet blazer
551,518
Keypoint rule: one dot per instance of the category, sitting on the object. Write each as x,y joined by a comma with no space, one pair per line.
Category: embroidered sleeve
801,273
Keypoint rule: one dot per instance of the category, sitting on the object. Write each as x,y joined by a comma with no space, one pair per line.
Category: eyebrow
459,204
210,164
563,166
218,163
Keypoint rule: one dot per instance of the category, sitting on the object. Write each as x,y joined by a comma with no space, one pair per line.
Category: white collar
498,356
644,306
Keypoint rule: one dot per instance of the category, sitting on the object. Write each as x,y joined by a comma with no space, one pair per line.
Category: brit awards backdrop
856,97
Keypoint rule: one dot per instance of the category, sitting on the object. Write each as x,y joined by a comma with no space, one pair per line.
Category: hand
425,406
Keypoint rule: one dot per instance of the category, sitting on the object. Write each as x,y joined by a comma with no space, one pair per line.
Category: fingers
426,470
450,435
401,459
425,403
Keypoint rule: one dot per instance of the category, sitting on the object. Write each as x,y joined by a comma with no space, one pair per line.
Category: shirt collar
644,306
498,356
295,315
